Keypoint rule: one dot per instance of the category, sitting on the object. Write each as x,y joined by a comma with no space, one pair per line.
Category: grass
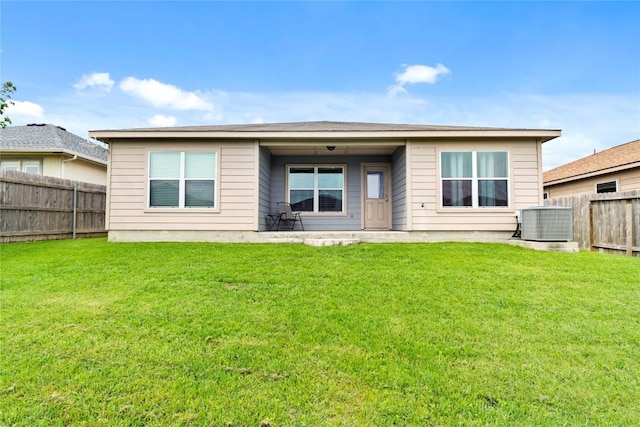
114,334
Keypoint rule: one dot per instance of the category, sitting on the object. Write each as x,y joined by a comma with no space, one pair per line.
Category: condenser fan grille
547,223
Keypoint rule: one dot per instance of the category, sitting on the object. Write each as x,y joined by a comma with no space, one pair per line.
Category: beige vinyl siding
264,187
399,189
627,180
80,170
236,201
424,178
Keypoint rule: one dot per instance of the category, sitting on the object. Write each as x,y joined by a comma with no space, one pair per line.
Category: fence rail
607,222
34,207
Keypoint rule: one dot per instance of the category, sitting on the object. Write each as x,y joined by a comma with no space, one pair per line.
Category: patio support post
75,209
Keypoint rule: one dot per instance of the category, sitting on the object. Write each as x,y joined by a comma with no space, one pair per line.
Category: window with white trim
315,188
182,179
474,179
607,187
28,166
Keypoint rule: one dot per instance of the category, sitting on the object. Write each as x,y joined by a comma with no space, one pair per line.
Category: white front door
377,207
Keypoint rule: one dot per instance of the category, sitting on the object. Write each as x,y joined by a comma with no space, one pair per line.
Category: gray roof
49,138
316,126
296,132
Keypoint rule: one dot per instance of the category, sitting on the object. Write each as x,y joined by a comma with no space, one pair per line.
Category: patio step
330,242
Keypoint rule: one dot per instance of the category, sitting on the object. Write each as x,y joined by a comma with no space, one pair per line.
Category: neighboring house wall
52,166
23,163
49,164
353,218
399,189
237,199
627,180
81,170
424,177
64,167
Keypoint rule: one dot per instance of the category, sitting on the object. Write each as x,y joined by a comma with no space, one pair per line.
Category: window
607,187
182,179
474,179
316,189
28,166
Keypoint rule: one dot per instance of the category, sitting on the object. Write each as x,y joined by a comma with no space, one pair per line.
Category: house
50,150
609,171
220,183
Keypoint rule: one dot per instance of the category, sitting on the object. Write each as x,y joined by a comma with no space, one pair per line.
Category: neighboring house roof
623,156
323,129
45,138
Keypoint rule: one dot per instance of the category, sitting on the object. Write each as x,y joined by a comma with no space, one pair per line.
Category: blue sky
92,65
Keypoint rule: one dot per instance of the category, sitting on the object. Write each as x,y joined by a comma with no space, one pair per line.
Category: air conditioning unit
547,224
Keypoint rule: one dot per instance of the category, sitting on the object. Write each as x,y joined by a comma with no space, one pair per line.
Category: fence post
629,228
75,208
592,231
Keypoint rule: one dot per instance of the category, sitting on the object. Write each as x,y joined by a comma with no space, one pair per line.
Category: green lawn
119,334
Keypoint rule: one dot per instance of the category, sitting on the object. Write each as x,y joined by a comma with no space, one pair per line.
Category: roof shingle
315,126
620,155
46,137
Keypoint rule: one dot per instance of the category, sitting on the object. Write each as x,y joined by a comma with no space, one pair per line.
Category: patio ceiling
332,147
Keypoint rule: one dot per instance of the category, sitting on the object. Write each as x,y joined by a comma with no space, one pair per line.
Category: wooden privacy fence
606,222
35,207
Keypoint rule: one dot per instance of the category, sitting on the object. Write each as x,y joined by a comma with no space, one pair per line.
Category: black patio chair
288,217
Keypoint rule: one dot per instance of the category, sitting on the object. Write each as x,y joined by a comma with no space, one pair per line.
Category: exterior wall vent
547,224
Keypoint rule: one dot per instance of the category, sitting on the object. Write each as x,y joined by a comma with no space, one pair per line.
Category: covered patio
336,184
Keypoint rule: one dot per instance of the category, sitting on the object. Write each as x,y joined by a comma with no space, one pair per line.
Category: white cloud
588,121
569,147
416,74
210,117
164,95
162,121
99,81
421,74
24,110
395,89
